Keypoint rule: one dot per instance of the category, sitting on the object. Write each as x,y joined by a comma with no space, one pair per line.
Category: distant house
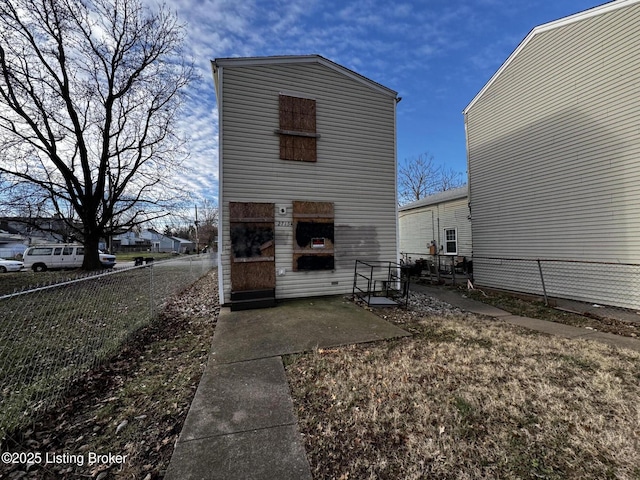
440,220
130,241
553,144
37,229
12,244
165,243
307,176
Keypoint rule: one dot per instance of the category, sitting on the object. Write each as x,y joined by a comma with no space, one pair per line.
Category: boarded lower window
298,136
313,231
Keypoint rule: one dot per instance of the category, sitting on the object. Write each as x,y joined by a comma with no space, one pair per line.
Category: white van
60,255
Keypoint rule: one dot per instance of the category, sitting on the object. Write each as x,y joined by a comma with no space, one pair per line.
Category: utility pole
196,222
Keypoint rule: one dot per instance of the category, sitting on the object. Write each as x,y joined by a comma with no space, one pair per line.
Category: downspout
433,227
217,80
395,180
466,139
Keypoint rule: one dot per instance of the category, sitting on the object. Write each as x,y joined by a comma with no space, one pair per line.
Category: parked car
59,256
10,265
106,259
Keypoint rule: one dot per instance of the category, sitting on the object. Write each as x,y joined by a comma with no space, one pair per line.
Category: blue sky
437,54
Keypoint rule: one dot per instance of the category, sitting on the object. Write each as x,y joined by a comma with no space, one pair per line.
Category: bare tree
449,179
88,96
184,226
208,230
421,176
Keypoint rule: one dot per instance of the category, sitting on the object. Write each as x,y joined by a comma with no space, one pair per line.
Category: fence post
151,299
544,289
453,271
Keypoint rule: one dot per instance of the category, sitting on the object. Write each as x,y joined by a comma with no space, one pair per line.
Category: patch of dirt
133,406
604,321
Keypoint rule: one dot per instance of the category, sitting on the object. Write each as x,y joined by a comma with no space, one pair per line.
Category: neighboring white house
553,156
307,175
441,220
35,230
166,243
12,245
131,239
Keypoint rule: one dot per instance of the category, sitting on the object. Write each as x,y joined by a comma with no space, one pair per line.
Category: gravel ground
419,305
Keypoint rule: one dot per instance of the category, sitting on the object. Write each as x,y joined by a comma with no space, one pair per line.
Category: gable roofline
576,17
436,198
298,59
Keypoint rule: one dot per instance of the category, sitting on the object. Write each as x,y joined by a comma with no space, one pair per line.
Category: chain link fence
50,336
449,269
599,284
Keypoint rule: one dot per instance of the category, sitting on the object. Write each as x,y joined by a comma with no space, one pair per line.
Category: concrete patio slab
268,454
296,326
238,397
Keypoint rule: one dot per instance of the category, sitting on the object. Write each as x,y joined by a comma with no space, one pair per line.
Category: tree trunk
91,257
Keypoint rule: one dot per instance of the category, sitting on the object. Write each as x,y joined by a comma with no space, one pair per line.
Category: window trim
445,243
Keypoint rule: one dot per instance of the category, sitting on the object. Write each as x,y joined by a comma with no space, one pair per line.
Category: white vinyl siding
355,167
421,225
553,148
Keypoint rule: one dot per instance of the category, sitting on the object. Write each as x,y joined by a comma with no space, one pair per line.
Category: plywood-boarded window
298,136
313,233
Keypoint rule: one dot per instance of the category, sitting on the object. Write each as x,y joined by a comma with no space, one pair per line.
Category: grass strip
469,398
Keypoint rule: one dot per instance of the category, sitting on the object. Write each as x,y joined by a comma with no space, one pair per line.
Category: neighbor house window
450,241
297,130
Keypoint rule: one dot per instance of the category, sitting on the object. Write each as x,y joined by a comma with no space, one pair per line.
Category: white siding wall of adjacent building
355,167
553,147
424,223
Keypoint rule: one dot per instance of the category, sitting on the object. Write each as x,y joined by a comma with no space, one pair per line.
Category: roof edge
576,17
436,198
292,59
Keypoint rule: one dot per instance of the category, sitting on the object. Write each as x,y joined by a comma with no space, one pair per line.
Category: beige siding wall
415,229
419,226
554,148
355,168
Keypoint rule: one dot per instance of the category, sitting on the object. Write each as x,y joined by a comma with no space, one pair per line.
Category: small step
253,294
380,301
237,305
250,299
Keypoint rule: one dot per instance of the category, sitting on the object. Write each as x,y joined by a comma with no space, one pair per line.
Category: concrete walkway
241,424
553,328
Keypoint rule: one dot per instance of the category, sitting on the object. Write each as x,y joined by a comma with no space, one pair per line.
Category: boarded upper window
297,131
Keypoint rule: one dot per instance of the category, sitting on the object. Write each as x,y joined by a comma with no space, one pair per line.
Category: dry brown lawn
468,398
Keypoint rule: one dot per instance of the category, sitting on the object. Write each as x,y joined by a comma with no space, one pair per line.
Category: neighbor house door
253,250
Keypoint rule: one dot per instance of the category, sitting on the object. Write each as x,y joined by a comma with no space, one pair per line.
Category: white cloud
400,45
